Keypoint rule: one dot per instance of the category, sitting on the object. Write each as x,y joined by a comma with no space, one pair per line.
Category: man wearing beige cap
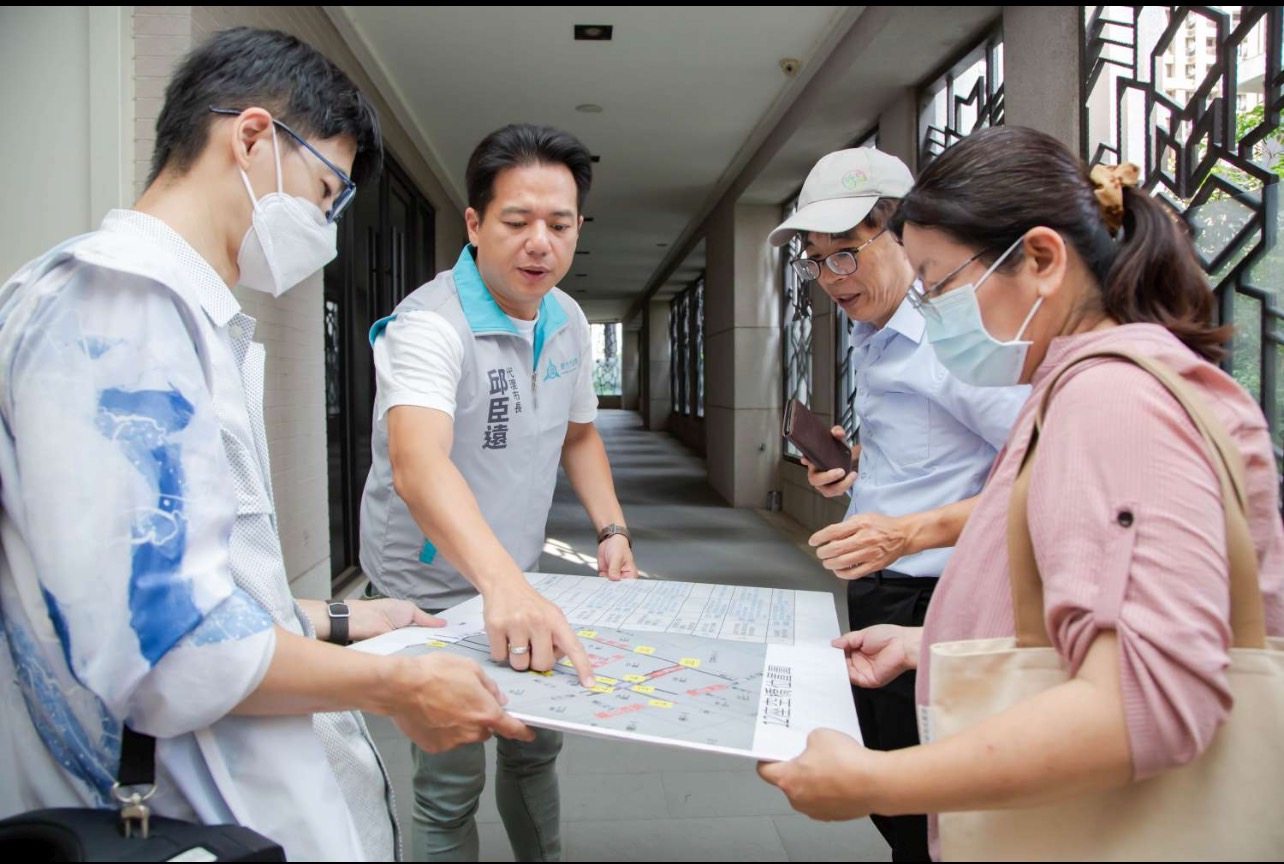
926,441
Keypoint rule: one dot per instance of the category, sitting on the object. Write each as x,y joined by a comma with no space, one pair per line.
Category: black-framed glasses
348,189
921,298
841,263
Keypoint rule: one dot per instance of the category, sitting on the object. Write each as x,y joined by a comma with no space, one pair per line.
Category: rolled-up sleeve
128,505
1126,518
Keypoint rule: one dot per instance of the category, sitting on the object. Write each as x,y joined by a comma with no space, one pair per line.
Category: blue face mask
965,347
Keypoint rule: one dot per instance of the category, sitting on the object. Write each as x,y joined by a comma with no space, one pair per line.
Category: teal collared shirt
483,313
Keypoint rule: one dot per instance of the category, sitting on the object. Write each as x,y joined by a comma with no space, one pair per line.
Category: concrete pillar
898,128
66,72
1041,85
630,360
658,385
742,353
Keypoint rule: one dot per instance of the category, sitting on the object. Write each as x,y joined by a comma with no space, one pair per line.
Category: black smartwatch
613,529
339,614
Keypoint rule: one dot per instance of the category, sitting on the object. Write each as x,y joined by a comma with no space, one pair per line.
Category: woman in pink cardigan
1028,264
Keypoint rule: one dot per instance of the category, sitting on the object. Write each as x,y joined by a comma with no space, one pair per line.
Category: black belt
891,577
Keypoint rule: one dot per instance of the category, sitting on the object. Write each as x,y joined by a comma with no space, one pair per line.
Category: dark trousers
888,715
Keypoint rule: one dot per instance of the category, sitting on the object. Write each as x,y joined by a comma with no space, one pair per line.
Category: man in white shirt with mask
141,576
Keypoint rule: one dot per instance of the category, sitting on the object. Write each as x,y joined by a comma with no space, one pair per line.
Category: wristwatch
339,614
613,529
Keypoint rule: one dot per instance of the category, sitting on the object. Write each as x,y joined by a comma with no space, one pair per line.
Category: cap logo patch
854,179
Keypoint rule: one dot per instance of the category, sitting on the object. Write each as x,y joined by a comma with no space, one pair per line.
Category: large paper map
747,671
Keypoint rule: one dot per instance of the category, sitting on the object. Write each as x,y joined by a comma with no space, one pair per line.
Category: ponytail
1156,278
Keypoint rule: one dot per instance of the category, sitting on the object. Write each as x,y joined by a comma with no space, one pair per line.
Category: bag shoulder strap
1248,623
137,759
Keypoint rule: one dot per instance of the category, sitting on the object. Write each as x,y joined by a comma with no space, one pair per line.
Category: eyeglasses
348,190
841,263
921,298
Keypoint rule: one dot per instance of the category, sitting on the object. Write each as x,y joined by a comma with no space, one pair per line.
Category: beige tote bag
1226,805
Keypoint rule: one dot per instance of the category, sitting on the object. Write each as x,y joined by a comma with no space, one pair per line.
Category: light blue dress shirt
927,439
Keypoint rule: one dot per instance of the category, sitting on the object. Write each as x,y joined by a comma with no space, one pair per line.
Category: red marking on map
712,688
616,712
667,670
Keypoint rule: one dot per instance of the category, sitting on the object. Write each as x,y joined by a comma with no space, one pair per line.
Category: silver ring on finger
518,649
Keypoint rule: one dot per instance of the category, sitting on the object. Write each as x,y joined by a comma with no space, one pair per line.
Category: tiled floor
633,802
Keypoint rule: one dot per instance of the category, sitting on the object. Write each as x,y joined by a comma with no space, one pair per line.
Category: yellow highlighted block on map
566,661
602,688
660,703
642,688
635,679
689,662
602,679
587,634
545,673
644,649
435,643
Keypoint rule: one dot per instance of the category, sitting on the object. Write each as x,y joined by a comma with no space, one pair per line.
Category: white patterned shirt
140,568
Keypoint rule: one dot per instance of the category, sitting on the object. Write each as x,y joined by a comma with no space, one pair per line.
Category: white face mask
288,239
965,347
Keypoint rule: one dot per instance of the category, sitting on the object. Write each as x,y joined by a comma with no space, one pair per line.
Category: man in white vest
484,387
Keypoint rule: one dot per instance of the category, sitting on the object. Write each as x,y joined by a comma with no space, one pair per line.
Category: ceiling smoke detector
593,32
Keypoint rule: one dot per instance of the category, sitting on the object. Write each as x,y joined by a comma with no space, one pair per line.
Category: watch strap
339,614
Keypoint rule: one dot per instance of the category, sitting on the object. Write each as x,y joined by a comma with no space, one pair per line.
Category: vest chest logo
556,370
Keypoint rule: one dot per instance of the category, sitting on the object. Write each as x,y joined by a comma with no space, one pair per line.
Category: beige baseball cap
842,189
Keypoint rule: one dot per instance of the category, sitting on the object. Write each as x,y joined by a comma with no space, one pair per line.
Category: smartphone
811,436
